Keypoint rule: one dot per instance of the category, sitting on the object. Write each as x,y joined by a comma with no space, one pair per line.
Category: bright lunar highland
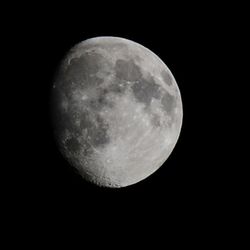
117,111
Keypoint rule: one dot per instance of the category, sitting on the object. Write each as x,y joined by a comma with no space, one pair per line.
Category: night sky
187,188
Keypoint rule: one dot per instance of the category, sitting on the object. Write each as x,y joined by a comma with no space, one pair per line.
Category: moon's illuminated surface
117,111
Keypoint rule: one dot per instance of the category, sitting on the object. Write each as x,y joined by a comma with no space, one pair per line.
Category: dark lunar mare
81,72
144,88
127,70
167,77
168,102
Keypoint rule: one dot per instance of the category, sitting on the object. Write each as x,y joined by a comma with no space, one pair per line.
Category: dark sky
188,186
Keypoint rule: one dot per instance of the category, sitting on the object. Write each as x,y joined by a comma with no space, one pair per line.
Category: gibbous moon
117,111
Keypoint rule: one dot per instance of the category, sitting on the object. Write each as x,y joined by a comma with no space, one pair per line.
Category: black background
188,191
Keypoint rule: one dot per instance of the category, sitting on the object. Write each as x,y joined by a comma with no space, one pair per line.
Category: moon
116,109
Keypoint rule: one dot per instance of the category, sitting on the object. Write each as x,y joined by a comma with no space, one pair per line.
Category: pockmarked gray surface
117,111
